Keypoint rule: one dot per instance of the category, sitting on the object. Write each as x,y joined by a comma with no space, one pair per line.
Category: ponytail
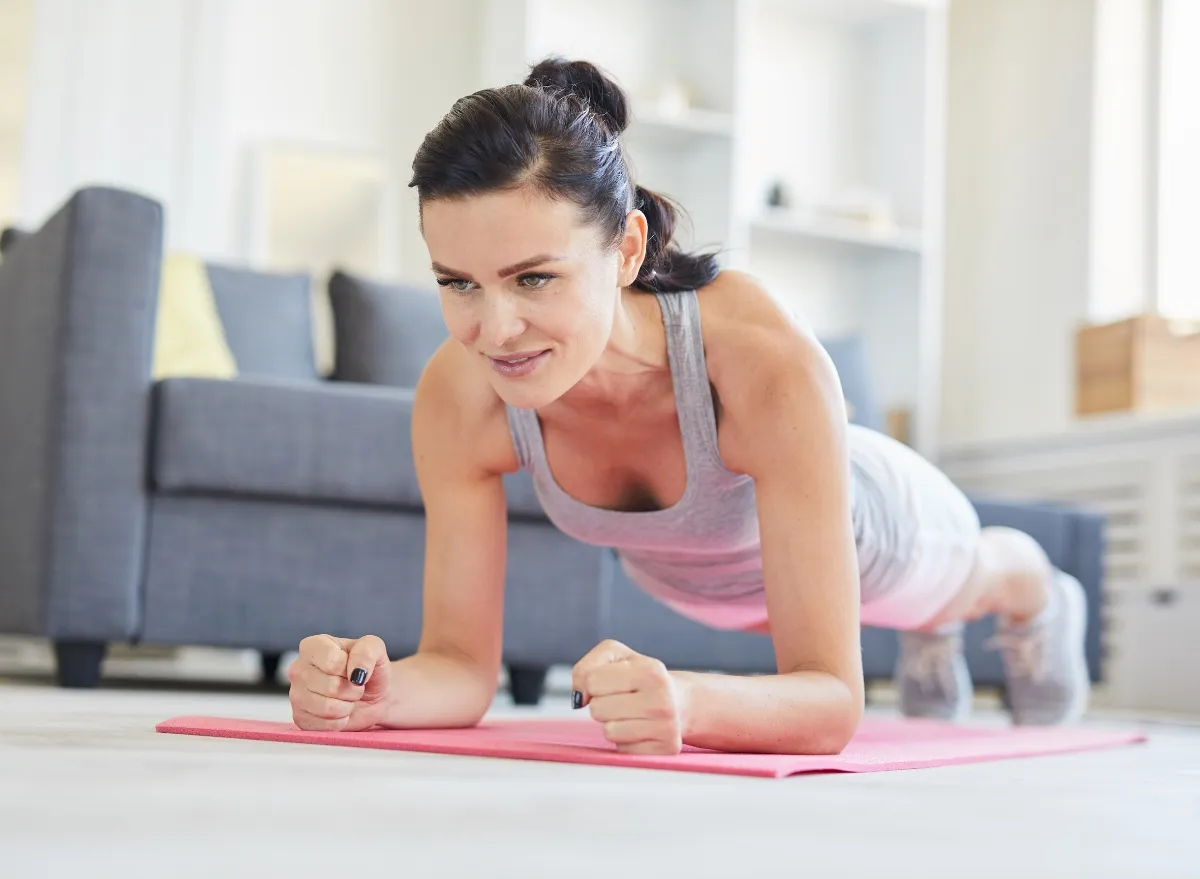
666,269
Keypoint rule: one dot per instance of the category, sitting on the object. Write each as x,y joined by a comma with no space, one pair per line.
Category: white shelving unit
835,103
799,226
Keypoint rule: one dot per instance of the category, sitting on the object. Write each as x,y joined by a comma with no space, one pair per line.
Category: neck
633,362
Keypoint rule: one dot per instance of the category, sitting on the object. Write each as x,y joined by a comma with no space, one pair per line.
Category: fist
633,696
340,683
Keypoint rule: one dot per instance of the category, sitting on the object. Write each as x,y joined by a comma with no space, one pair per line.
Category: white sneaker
1045,663
932,676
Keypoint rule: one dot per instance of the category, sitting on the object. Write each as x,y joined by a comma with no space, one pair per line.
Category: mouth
516,365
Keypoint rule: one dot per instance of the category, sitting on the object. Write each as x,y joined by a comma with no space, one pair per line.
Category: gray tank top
706,547
704,552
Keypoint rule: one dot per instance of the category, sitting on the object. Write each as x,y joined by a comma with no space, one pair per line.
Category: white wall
438,58
305,73
16,27
112,86
1018,197
126,93
173,99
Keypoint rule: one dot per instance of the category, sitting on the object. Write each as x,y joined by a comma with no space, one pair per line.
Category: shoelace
933,662
1024,652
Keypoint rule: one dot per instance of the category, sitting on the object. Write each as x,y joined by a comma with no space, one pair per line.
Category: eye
458,285
535,281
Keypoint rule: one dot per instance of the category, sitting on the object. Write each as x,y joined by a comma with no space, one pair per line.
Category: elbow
840,722
467,719
458,713
837,734
473,710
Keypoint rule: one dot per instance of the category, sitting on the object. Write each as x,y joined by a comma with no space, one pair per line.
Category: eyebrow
505,272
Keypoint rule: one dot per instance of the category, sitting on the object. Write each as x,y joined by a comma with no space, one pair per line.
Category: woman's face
528,288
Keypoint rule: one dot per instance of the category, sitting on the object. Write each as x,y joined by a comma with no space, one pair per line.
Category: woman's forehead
486,232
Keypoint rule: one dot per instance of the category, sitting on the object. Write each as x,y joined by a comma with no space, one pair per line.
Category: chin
522,395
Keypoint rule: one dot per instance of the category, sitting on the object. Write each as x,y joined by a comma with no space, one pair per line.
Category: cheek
460,322
599,305
582,317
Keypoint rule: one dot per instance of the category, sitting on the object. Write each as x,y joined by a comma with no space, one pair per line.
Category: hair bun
587,82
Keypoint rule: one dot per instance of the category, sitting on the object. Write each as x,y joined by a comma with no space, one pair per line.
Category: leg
78,663
269,663
1007,575
1041,620
951,571
1010,578
527,683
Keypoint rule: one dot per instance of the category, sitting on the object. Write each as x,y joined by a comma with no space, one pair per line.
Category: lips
515,365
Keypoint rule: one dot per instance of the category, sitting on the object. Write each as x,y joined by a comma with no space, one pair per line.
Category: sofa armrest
77,309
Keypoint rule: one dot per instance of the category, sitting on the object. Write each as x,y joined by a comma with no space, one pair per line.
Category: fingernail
358,677
577,699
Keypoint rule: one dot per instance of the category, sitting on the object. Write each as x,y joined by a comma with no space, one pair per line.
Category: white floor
88,788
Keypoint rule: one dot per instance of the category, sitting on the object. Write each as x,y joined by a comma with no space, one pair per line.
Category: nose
501,320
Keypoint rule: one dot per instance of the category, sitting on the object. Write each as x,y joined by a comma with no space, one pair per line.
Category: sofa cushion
385,333
315,442
267,319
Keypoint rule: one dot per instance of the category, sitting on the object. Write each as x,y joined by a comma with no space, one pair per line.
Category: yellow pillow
189,339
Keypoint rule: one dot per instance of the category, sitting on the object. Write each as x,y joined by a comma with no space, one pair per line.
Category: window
1178,256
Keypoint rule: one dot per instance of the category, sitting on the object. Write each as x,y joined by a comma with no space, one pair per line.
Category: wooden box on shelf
1141,364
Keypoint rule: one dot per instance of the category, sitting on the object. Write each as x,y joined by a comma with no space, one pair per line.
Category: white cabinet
804,140
1143,476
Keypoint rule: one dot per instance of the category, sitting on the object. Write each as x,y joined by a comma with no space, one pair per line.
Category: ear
632,249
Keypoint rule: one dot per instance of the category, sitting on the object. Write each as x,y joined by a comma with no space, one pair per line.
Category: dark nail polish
358,677
577,699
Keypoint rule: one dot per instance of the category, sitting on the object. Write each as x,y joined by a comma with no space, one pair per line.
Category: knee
1010,548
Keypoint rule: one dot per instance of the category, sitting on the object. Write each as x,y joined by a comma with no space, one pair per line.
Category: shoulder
458,418
749,336
769,370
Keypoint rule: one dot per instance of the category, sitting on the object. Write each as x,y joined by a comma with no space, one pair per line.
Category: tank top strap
689,374
526,434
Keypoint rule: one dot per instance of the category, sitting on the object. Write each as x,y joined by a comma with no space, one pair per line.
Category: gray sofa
250,513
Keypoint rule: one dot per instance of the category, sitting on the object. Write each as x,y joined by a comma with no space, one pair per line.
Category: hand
340,683
634,696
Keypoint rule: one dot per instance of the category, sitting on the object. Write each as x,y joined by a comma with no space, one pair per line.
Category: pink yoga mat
880,744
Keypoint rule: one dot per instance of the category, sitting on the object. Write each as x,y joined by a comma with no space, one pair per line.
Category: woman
673,411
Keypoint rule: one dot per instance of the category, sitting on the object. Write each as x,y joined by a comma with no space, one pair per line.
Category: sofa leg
269,662
1004,700
78,663
527,683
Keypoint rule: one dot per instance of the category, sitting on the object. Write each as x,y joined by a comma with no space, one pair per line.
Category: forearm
438,690
804,712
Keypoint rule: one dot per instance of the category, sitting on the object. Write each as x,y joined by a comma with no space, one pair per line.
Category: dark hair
559,133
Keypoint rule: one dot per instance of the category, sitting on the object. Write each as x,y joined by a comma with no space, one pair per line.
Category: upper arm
461,450
784,424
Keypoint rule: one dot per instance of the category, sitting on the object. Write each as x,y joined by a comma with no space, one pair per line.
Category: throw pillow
267,317
189,339
385,332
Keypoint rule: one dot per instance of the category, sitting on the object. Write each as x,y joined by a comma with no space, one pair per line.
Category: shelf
841,231
693,121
